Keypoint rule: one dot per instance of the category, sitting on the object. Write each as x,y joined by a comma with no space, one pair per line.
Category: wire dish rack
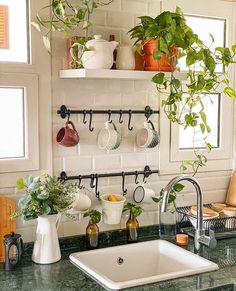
223,227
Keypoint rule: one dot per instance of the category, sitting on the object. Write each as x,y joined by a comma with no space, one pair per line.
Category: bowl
206,223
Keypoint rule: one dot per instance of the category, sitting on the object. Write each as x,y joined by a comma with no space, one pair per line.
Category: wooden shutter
4,27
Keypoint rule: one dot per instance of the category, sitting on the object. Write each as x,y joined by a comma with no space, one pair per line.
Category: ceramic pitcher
46,246
99,54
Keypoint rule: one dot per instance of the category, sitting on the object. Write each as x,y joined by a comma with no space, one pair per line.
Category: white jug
100,53
46,246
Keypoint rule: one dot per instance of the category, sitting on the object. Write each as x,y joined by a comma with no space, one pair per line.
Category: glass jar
167,222
92,232
132,227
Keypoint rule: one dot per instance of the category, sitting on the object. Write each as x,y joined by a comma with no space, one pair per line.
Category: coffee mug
67,136
147,136
143,194
108,137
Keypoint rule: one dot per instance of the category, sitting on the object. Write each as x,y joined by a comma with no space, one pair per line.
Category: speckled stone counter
65,276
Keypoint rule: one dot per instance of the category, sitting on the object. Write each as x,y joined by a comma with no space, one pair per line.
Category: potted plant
92,229
45,198
66,17
132,224
185,106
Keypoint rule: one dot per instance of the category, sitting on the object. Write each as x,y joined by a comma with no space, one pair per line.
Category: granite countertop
65,276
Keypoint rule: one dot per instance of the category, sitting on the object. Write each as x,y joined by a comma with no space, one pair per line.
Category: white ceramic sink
140,263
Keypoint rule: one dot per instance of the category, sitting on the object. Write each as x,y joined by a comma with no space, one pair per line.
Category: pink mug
67,136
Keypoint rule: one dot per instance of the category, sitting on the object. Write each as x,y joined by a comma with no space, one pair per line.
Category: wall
117,19
86,158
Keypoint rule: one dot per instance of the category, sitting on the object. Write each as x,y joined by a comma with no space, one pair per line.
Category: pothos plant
184,101
94,216
132,208
66,17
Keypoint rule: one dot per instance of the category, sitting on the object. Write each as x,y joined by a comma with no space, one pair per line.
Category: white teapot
100,54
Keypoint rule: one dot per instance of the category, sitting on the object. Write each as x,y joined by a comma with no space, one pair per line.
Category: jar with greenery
132,224
92,229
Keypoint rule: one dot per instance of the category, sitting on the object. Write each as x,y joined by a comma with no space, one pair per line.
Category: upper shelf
113,74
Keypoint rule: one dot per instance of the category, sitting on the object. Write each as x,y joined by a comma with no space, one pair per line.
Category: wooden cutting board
7,225
231,193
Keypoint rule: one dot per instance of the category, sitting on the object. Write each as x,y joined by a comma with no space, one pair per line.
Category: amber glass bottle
132,227
112,38
92,232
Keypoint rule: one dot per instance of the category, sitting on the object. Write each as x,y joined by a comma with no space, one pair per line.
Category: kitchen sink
140,263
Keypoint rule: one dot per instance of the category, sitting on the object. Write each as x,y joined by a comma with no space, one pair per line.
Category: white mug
108,137
143,194
125,59
147,136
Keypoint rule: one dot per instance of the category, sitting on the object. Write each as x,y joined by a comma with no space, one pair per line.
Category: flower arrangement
44,195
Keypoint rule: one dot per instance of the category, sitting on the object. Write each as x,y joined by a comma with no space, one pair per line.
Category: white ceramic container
100,54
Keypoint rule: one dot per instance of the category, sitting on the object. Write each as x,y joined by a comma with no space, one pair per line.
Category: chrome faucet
200,237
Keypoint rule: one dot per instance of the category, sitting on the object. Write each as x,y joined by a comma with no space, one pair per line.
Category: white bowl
205,223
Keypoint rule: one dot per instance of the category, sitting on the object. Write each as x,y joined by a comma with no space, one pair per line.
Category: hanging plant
185,106
66,17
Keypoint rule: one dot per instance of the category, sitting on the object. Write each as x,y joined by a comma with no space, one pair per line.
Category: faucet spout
200,236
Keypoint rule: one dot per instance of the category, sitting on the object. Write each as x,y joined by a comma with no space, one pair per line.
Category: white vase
46,246
125,59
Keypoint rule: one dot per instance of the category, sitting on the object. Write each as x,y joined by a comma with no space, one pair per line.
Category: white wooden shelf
113,74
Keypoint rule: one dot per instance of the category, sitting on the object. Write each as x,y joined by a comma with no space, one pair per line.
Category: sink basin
140,263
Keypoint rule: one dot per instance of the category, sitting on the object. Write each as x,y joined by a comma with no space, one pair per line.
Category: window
177,145
14,44
19,122
12,126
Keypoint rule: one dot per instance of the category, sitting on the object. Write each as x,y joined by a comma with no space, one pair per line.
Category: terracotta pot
166,63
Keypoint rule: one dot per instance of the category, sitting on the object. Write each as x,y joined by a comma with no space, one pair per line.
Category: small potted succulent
132,224
45,199
92,229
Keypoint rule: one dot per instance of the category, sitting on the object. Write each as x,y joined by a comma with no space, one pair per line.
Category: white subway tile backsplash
81,163
120,19
135,7
134,160
107,162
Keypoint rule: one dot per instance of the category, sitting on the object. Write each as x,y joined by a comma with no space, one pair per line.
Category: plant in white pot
46,198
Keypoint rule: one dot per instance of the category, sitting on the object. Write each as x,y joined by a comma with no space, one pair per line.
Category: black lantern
13,250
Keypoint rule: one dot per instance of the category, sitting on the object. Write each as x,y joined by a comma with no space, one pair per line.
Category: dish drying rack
223,227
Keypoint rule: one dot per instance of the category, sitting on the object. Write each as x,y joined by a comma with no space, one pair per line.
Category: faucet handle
209,241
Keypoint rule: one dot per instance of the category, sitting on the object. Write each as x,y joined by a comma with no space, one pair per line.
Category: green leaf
36,25
202,127
191,58
47,44
157,55
229,91
203,117
158,78
178,187
23,201
208,146
157,199
234,48
20,184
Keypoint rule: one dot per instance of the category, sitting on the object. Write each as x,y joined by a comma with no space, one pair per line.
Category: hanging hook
152,125
146,173
90,120
148,112
84,116
96,186
136,177
120,118
79,183
109,116
92,181
123,184
129,122
68,115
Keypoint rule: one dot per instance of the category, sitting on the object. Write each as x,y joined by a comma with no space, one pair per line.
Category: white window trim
40,68
30,84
